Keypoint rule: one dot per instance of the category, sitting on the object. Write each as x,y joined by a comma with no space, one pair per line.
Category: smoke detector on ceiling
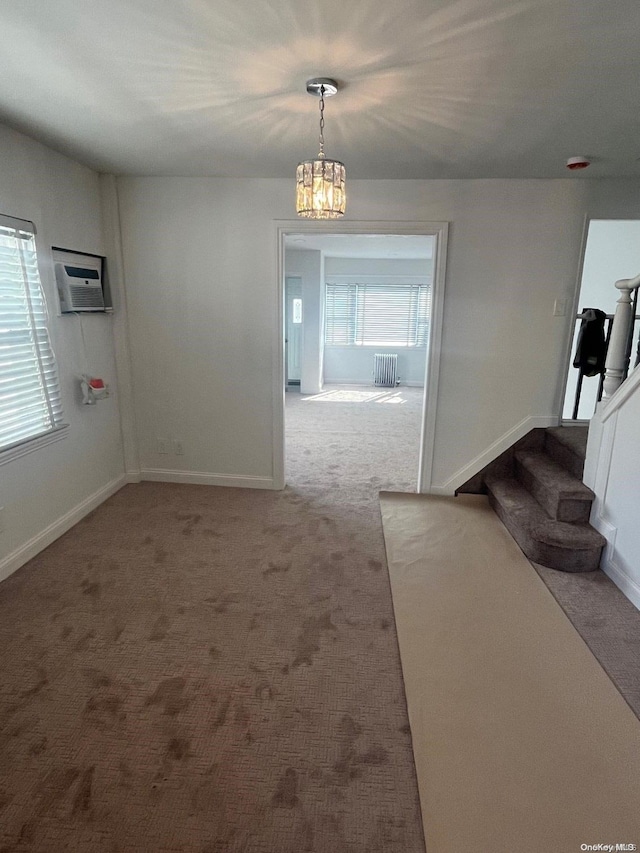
578,163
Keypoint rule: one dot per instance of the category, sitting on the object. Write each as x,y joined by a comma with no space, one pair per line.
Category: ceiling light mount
322,86
320,183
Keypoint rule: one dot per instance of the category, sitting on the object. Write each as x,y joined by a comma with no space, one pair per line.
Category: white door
293,327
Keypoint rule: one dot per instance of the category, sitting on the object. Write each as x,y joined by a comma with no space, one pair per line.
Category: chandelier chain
321,153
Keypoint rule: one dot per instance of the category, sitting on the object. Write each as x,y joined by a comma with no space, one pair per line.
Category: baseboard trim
335,383
12,562
196,478
608,564
622,580
499,446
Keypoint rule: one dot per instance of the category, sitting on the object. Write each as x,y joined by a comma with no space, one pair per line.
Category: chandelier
320,183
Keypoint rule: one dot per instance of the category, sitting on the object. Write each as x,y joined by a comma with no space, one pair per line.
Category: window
30,404
377,314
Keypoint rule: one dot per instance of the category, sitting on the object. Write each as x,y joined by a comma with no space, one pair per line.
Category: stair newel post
616,364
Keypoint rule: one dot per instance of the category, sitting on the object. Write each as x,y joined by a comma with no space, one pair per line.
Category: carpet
606,620
216,670
522,742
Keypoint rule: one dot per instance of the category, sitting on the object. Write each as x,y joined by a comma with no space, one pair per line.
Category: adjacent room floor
353,432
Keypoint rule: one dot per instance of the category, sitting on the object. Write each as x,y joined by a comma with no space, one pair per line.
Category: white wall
200,262
355,364
612,252
612,470
200,256
66,478
422,268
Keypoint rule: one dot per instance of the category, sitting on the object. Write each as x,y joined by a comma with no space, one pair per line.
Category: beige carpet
522,743
216,670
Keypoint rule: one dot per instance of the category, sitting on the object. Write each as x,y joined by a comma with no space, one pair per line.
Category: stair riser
564,456
572,510
562,559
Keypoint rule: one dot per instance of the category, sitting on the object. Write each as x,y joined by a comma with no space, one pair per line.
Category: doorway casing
437,230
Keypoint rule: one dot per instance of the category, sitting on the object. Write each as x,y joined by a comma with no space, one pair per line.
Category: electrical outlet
178,449
162,445
1,519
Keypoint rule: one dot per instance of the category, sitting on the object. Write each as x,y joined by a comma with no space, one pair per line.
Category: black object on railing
591,349
609,327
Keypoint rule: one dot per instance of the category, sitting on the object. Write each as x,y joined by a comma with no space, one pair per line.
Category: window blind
377,314
30,402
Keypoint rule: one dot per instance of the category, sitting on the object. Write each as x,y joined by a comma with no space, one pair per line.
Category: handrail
634,308
584,316
629,283
619,352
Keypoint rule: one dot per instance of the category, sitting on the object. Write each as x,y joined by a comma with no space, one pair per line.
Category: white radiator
385,370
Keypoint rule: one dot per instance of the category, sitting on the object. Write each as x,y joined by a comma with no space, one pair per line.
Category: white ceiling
430,88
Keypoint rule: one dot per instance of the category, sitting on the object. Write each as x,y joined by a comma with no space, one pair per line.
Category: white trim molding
618,556
332,383
610,564
12,562
499,446
199,478
32,444
622,580
622,394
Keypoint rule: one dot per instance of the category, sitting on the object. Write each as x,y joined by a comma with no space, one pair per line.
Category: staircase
537,491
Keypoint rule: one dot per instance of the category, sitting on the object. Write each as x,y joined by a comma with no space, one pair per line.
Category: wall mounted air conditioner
79,288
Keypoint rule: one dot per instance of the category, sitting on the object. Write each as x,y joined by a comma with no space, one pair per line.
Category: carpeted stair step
568,446
563,496
556,544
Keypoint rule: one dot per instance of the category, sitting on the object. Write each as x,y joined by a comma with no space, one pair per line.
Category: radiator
385,370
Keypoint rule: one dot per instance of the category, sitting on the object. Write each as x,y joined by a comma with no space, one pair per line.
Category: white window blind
377,314
30,404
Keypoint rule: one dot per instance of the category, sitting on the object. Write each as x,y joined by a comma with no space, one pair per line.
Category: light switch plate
560,308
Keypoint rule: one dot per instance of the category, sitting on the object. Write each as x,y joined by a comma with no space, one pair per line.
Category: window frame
58,429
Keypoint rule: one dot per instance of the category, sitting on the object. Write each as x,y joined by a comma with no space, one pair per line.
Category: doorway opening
612,252
360,324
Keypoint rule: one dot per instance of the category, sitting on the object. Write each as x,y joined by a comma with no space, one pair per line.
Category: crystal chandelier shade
320,183
320,192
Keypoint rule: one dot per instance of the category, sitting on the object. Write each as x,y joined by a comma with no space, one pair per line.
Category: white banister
616,363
